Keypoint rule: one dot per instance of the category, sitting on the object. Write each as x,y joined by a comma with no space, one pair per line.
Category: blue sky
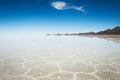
52,16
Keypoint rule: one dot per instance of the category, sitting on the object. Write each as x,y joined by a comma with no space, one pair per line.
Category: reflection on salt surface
60,58
114,38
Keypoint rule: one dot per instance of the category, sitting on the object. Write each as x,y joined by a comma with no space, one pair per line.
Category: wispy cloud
60,5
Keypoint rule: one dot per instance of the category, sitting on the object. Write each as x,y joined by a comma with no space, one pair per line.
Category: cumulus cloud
59,5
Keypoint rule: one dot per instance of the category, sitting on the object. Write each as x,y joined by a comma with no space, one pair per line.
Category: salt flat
60,58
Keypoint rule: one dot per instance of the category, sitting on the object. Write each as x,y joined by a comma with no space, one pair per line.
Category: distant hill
114,31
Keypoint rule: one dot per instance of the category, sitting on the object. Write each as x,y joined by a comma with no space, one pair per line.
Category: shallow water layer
60,58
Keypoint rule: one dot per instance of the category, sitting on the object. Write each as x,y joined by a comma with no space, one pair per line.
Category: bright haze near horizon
57,16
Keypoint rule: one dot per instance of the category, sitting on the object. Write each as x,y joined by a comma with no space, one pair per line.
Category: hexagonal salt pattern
59,76
107,75
78,67
12,70
106,68
83,76
62,76
42,70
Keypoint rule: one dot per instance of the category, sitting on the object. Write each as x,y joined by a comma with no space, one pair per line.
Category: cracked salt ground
108,75
83,76
59,76
59,58
78,67
42,70
12,70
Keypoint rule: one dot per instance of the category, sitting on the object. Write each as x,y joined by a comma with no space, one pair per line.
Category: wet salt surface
60,58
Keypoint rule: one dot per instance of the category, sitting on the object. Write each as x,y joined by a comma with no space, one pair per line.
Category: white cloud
59,5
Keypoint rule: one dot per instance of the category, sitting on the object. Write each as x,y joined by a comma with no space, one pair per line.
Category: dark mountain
114,31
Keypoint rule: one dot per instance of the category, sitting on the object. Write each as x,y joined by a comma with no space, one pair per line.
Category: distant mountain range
114,31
